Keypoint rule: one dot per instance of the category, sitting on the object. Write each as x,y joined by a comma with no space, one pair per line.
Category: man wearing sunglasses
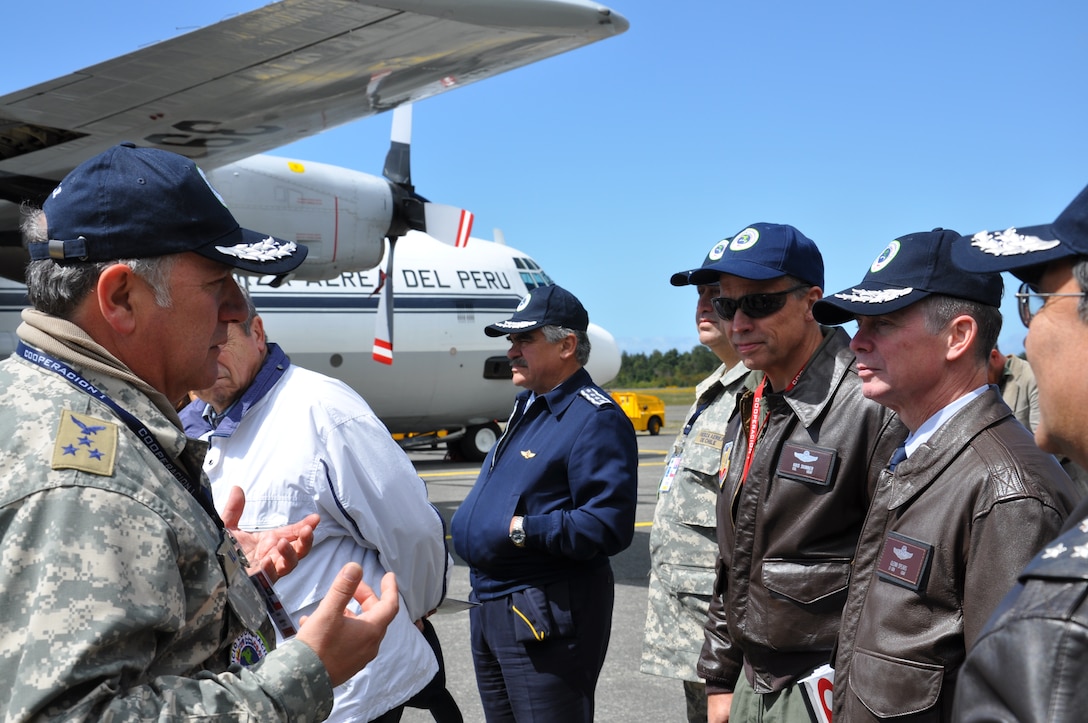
1031,660
963,505
795,487
683,541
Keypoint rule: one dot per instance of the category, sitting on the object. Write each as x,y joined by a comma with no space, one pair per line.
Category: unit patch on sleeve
86,444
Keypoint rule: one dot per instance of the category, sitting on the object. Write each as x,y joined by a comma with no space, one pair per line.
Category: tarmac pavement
623,693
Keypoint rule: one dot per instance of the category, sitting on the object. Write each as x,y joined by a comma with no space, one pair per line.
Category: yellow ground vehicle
645,411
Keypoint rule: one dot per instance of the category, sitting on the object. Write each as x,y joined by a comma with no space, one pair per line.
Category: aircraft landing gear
478,441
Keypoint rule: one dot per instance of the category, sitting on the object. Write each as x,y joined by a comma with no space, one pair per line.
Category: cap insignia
265,250
1009,243
511,324
885,256
746,239
874,296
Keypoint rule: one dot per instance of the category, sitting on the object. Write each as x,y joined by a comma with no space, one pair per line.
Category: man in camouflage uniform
683,546
122,595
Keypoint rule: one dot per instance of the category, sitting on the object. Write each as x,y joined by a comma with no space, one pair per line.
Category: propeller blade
448,224
398,161
410,211
383,322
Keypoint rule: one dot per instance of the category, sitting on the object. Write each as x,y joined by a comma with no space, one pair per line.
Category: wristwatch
517,532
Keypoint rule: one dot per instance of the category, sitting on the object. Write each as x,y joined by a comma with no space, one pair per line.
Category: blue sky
615,165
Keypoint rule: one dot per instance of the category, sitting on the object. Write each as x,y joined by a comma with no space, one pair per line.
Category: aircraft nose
604,356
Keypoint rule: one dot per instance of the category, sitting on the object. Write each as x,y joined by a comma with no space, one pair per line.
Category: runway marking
462,473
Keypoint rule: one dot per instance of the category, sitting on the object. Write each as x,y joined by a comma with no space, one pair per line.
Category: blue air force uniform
567,464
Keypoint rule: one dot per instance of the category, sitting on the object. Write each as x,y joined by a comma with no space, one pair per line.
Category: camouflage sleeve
108,614
720,661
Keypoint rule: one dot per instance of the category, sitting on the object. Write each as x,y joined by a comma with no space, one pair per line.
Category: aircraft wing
272,76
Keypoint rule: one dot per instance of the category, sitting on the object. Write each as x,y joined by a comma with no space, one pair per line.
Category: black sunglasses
754,306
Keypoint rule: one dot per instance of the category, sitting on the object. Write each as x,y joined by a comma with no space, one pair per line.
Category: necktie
898,456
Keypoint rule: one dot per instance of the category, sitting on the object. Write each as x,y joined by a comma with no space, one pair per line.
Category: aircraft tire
478,441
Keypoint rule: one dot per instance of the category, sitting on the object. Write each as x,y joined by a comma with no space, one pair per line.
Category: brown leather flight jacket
948,532
786,536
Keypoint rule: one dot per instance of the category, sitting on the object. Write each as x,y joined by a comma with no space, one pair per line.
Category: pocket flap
542,613
892,686
806,581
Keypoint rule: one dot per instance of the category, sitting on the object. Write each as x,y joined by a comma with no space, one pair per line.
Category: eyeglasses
1029,303
754,306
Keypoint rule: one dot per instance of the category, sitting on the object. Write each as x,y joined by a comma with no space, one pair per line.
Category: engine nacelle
341,215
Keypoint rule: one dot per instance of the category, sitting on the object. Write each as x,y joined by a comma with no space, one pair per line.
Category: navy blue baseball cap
683,278
909,269
763,251
1019,249
133,203
543,306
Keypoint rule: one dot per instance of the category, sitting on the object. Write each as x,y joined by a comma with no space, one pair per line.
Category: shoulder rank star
528,453
86,444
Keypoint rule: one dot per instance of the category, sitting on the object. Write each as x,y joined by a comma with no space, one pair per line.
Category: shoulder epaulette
595,396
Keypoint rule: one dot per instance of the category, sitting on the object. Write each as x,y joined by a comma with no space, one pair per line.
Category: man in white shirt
299,442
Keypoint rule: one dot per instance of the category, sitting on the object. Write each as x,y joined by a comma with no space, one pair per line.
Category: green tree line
664,369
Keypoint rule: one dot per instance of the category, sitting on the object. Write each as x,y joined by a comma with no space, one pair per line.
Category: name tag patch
710,439
904,561
806,464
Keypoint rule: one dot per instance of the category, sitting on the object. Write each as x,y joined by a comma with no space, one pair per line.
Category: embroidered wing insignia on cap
1010,243
266,250
873,296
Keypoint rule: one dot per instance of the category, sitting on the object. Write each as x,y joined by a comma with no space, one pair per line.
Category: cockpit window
533,276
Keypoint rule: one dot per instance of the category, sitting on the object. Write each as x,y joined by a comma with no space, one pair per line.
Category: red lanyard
754,423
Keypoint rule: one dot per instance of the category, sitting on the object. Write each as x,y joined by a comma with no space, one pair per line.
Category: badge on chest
904,561
814,465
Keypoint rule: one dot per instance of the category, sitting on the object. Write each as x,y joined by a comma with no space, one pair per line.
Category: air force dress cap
763,251
683,278
1019,249
543,306
909,269
132,203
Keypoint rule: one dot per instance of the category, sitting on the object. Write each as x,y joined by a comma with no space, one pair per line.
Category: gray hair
58,288
1080,273
554,334
251,310
938,312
